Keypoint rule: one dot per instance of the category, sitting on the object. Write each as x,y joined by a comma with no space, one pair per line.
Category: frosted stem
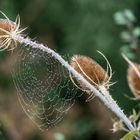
107,100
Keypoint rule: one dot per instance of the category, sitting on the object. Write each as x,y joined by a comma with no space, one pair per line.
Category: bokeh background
70,27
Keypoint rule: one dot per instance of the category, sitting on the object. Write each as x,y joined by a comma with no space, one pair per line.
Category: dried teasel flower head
92,72
117,126
9,30
133,77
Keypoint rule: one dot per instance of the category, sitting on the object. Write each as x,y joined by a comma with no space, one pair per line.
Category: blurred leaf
119,18
127,51
136,31
134,112
123,17
134,116
125,36
129,15
130,135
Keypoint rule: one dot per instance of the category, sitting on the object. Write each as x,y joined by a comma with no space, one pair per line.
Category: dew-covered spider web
43,85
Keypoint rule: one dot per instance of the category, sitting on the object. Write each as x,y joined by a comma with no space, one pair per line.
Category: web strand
45,90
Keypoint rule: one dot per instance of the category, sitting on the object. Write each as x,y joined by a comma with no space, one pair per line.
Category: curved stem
104,97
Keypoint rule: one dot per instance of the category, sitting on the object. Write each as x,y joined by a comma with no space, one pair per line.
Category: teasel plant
133,78
130,52
85,73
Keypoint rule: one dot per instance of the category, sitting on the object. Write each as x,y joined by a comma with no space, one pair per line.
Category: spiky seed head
133,77
90,70
4,24
9,31
134,80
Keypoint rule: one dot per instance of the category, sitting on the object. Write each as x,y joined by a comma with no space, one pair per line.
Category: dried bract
134,80
92,72
90,69
9,30
133,77
117,126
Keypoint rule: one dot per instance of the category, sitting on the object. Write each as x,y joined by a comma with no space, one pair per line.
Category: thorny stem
105,98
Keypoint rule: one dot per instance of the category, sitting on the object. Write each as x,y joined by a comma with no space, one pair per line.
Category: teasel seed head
133,77
92,72
9,30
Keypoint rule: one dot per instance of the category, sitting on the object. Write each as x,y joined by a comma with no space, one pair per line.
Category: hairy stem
106,99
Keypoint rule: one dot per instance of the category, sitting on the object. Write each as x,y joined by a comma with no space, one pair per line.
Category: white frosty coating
105,98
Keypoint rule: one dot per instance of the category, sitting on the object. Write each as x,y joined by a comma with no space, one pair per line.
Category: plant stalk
105,98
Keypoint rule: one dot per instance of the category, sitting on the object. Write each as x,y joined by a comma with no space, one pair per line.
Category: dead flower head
8,32
133,77
117,126
92,72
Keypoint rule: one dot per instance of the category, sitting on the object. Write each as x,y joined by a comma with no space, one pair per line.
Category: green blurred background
70,27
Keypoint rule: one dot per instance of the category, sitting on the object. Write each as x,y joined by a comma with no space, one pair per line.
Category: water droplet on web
43,85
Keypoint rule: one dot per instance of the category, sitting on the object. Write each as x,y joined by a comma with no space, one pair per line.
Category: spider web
43,85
